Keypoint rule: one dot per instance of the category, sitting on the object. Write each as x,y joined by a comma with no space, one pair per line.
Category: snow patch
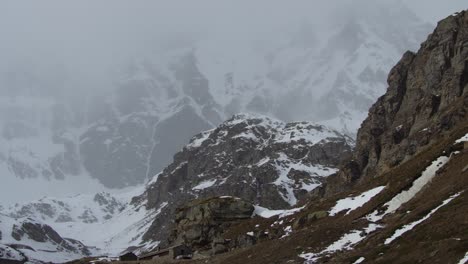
204,184
359,260
464,260
198,140
344,243
352,203
410,226
267,213
462,139
405,196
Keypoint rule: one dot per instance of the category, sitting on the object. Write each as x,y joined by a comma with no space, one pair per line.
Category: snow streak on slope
344,243
410,226
405,196
464,260
351,203
267,213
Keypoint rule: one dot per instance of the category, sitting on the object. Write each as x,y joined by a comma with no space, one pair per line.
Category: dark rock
426,99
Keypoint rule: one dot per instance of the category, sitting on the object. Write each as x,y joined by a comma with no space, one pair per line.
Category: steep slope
426,98
414,213
264,161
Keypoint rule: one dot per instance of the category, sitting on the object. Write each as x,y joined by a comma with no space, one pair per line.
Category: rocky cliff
426,98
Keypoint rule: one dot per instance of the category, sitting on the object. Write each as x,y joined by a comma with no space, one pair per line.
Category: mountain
26,239
385,200
99,224
265,161
400,198
78,132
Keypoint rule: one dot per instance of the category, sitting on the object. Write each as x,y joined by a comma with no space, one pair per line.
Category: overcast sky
435,10
107,28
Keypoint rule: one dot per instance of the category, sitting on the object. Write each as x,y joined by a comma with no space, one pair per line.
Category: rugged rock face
200,223
261,160
151,117
426,98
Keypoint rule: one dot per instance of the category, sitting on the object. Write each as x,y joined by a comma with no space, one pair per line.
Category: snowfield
119,224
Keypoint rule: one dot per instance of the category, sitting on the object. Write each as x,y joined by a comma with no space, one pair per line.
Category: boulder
200,223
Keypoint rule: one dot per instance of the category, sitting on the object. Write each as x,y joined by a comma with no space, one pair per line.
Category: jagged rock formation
261,160
426,98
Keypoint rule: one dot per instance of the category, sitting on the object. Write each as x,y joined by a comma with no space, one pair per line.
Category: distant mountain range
124,134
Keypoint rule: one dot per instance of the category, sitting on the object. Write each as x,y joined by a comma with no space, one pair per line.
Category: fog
90,32
88,36
111,89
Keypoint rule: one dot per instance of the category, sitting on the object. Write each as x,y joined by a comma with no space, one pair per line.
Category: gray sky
435,10
92,32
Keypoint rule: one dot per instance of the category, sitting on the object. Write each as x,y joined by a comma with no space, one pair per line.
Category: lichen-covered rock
201,223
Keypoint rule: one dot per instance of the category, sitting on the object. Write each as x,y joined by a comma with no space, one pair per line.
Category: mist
89,34
111,90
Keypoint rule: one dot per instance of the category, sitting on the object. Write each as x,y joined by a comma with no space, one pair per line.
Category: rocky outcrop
200,224
426,98
25,232
261,160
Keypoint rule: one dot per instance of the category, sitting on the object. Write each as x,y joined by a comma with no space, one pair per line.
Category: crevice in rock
435,103
463,79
